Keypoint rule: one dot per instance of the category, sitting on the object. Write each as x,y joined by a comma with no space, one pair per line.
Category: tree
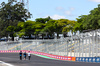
68,27
12,13
29,27
90,21
20,30
64,26
43,20
40,25
80,25
11,29
49,28
93,19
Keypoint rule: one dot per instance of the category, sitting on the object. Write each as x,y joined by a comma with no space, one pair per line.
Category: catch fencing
84,47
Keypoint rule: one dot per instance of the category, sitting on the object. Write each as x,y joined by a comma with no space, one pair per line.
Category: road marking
6,63
26,46
37,46
15,46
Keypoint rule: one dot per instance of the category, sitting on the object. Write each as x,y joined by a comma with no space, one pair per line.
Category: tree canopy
90,21
13,20
11,13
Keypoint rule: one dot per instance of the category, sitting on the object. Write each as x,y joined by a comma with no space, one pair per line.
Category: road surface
13,58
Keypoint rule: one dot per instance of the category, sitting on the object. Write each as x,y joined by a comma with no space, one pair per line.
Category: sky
60,9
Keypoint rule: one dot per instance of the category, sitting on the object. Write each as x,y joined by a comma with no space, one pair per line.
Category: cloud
98,1
56,17
59,8
66,12
71,8
69,12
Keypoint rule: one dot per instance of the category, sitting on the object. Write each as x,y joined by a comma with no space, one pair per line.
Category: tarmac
12,59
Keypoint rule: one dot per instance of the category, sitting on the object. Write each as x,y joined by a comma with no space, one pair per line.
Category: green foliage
49,26
10,28
13,16
43,20
29,27
80,24
20,30
21,24
38,27
20,34
90,21
11,13
69,26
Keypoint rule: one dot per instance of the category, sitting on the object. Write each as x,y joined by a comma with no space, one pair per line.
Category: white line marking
6,63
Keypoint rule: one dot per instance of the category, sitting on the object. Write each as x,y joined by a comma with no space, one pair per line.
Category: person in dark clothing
20,54
24,55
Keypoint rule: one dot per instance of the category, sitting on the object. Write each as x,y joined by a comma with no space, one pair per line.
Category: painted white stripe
6,63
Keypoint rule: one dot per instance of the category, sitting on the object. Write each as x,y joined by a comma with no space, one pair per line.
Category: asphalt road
13,58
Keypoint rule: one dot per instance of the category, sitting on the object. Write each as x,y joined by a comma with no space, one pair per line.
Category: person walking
20,54
24,55
29,55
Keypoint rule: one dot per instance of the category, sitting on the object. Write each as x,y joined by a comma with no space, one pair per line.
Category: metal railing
82,45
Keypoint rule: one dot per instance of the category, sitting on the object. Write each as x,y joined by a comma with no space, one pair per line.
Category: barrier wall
41,53
88,59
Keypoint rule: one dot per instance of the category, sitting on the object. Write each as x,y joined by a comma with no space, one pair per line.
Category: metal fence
82,45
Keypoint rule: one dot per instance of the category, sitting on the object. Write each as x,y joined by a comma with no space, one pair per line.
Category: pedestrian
29,55
24,55
20,54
